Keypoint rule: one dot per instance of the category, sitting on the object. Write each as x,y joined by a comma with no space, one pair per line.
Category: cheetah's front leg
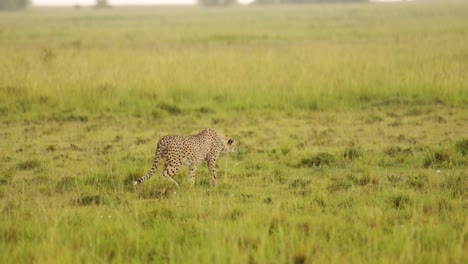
212,167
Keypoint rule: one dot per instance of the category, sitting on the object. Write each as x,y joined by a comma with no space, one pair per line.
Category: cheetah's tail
151,172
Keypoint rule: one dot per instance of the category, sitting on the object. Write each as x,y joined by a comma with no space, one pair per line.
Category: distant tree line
270,2
13,4
305,1
216,2
102,4
265,2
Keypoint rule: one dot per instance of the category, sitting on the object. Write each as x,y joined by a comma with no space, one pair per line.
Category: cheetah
189,151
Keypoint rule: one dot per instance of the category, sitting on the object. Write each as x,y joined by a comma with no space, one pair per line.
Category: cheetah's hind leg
169,171
192,171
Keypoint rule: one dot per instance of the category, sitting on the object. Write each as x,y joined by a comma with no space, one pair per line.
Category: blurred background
18,4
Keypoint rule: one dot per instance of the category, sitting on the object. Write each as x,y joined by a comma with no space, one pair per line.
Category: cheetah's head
230,145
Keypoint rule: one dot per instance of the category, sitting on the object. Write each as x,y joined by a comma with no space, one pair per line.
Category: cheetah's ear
230,141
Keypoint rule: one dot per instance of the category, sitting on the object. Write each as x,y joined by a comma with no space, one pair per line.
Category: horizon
119,2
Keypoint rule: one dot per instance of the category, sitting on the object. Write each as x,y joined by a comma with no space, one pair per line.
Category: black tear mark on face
230,141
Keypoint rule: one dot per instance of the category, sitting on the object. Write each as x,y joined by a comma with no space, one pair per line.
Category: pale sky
120,2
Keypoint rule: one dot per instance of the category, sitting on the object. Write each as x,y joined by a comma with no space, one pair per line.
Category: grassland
351,121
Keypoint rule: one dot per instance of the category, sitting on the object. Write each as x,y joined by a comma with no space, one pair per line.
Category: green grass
351,123
319,57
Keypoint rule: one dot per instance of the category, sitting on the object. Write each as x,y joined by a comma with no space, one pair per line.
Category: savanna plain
351,122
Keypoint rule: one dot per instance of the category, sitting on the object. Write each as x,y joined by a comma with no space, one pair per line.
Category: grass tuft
394,151
66,184
28,165
351,153
172,109
462,146
438,158
87,200
400,200
338,184
317,160
156,189
333,107
456,184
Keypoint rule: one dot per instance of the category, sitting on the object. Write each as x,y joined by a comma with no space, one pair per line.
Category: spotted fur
189,151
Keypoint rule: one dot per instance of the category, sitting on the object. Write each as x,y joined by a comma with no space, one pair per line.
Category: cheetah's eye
230,141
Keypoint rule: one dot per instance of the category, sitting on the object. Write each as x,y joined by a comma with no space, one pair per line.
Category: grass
351,123
320,57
